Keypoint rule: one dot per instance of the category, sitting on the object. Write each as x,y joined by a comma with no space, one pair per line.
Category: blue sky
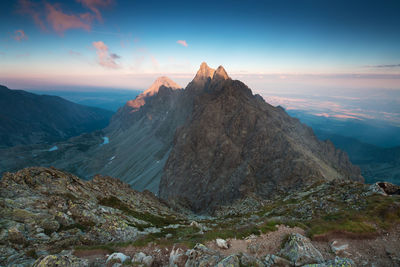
126,44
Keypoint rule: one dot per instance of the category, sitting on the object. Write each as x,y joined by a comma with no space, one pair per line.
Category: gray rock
60,260
271,260
337,262
299,250
248,260
177,258
230,261
200,255
16,236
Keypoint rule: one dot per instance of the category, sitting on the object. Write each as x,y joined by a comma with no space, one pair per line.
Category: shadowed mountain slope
27,118
235,144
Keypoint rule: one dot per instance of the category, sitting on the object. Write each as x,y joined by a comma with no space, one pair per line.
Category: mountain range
27,118
203,146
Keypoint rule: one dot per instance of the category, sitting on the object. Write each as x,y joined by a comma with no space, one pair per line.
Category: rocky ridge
235,144
49,217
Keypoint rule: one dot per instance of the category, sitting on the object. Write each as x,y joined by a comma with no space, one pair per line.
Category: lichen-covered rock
337,262
271,260
248,260
16,236
60,260
142,258
47,209
200,255
230,261
299,250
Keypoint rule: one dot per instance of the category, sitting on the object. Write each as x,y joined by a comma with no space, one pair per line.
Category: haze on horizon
288,51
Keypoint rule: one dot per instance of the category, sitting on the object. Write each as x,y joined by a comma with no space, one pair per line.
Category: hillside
27,118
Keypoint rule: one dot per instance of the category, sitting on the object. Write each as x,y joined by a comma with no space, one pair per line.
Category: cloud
105,58
20,35
74,53
52,16
385,66
182,42
26,7
94,5
114,56
62,22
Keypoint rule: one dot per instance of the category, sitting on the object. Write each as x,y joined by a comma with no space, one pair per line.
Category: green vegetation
329,212
157,221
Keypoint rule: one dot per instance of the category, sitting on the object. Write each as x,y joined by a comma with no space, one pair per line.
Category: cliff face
235,144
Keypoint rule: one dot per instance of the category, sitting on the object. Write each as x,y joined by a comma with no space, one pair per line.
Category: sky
273,46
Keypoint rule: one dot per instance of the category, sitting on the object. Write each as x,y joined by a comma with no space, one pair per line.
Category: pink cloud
51,15
94,5
105,58
20,35
182,42
62,22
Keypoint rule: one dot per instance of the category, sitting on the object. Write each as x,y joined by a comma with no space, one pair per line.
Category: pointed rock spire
220,73
204,72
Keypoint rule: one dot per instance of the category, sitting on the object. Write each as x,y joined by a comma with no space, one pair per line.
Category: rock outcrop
44,210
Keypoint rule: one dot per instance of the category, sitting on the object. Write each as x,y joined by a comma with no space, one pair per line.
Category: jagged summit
152,90
220,73
204,72
161,81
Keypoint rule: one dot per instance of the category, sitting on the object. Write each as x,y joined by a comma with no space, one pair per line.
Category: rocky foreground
52,218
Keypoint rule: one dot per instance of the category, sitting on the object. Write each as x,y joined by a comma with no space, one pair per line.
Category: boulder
221,243
273,260
248,260
117,257
177,258
200,255
141,258
16,236
299,250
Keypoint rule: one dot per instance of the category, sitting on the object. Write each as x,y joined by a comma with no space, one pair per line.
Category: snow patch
54,148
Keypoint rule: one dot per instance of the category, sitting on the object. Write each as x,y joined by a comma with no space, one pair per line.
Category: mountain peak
139,101
161,81
220,73
204,72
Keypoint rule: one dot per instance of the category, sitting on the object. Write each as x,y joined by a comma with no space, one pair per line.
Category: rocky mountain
376,163
53,218
235,144
27,118
202,147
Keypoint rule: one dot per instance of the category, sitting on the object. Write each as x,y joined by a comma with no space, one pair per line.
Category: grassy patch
157,221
